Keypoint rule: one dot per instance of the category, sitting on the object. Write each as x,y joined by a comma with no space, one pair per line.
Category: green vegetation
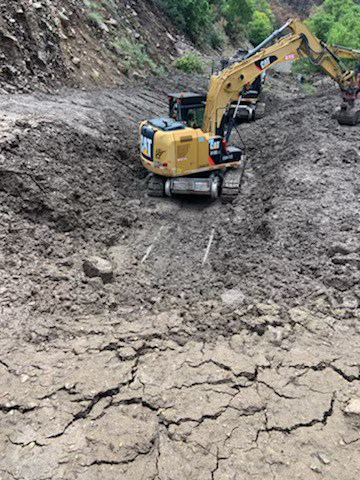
134,53
190,63
111,6
93,13
203,20
337,22
251,16
260,27
238,12
307,88
304,66
192,16
95,18
217,37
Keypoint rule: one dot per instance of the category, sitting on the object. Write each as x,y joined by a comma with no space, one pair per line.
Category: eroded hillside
74,42
46,44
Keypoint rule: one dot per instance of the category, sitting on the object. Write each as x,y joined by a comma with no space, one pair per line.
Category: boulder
98,267
353,407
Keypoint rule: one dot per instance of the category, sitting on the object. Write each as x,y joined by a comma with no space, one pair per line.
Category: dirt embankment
45,45
81,43
247,367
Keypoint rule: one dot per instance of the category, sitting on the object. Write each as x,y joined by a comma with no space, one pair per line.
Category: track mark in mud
207,251
151,247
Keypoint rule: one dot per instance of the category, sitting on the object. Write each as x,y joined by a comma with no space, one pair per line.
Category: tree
238,14
260,28
194,17
201,19
338,22
263,6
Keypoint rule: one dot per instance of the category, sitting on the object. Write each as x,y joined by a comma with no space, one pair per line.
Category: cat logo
159,153
146,146
214,144
265,62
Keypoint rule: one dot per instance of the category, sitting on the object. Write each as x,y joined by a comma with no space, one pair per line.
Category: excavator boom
300,43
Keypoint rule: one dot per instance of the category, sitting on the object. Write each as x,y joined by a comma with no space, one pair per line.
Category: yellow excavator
252,105
188,152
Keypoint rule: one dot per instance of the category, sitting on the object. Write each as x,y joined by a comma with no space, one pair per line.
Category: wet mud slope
246,367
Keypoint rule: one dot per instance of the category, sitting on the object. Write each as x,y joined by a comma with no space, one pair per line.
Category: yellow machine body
186,151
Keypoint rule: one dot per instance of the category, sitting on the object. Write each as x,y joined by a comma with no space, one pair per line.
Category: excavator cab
187,108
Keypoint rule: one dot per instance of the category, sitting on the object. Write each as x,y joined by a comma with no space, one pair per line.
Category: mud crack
296,426
132,459
18,408
323,366
96,399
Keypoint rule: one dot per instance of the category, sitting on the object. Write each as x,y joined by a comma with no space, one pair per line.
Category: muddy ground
245,368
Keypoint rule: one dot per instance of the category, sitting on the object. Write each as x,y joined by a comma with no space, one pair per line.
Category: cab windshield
191,115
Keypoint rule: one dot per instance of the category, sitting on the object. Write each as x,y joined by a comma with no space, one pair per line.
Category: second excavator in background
188,151
253,103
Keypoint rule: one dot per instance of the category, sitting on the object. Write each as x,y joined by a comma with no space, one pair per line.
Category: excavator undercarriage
222,183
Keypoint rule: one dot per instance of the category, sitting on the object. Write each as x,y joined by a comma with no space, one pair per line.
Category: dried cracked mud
245,368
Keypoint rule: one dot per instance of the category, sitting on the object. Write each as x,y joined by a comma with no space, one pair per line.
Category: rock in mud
98,267
324,459
76,61
233,297
353,407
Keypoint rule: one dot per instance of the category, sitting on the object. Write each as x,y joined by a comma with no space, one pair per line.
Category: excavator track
156,186
231,184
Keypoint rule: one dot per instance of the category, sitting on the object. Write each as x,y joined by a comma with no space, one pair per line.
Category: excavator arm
299,43
344,52
341,52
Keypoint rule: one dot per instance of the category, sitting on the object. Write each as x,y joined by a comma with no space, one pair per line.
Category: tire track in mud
184,237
